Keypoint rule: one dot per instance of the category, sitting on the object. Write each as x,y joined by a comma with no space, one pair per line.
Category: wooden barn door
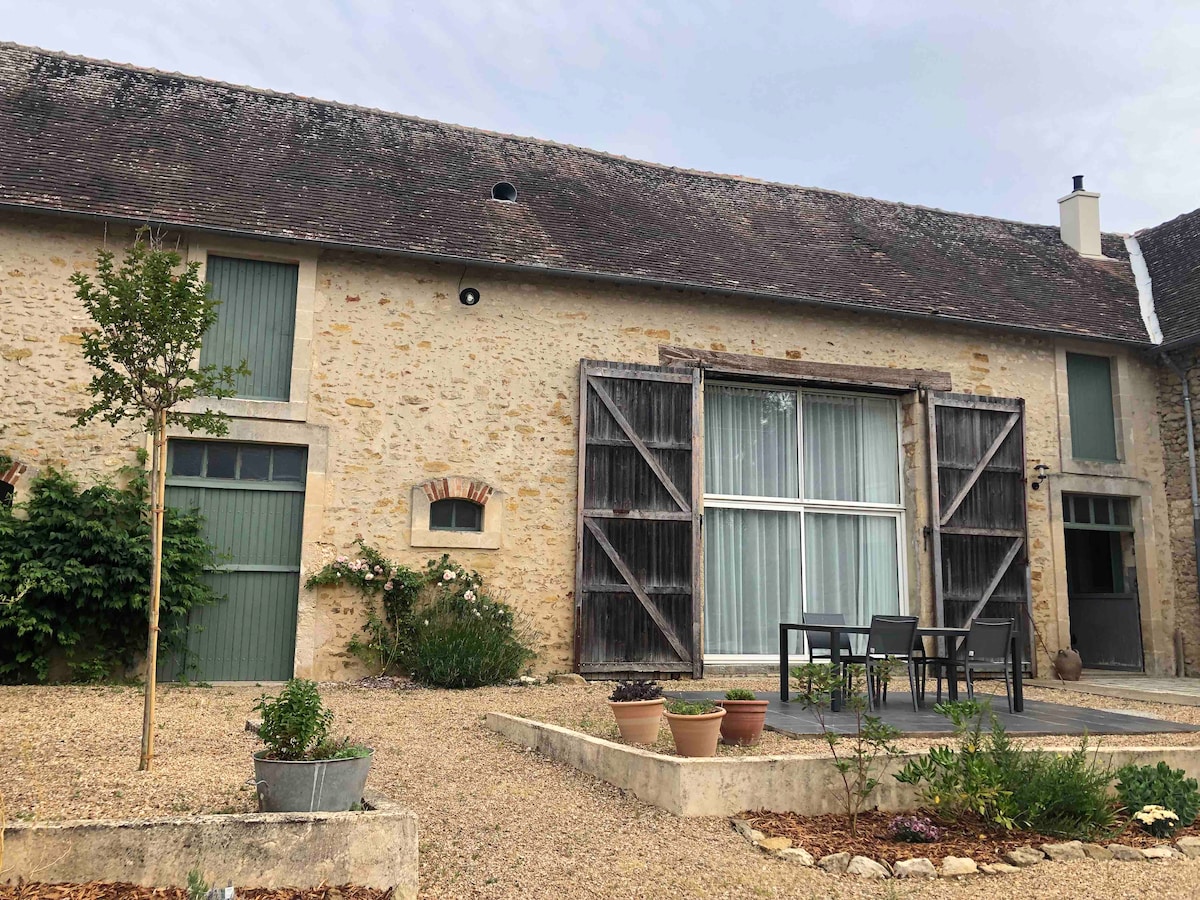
637,586
978,520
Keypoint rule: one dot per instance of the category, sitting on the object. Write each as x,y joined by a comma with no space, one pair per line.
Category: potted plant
745,716
637,707
695,726
302,770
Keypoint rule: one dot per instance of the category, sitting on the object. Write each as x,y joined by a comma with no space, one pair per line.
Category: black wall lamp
1043,472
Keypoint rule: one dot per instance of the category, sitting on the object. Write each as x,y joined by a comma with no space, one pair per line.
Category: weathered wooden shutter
637,585
256,321
978,520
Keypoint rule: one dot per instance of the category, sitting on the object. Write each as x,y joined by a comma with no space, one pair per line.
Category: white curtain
752,579
750,444
852,565
850,450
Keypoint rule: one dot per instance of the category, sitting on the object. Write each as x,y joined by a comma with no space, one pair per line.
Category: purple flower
914,830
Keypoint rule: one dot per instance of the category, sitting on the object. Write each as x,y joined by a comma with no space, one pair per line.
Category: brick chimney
1079,220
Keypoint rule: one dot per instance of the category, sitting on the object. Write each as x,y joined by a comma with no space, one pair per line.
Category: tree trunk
158,477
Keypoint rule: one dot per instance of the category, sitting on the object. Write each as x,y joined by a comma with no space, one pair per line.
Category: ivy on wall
75,577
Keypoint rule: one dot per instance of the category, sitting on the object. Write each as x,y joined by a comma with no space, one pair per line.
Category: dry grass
496,821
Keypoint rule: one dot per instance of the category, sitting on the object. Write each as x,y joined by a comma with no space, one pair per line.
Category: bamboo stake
158,467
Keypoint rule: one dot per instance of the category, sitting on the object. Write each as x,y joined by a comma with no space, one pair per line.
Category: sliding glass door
802,512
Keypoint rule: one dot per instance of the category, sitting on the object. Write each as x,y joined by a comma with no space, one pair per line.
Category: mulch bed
822,835
103,890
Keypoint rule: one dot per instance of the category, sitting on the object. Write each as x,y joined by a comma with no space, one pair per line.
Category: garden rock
1064,852
957,866
1025,856
835,863
742,827
915,868
1189,847
569,678
1097,852
775,844
1160,853
1126,854
798,855
865,867
997,869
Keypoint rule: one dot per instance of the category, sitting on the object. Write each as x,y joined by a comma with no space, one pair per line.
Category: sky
987,108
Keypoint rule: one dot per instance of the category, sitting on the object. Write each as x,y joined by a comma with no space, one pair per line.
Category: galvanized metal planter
323,785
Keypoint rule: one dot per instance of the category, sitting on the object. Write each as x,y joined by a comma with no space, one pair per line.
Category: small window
222,461
188,458
256,464
289,464
237,462
1089,390
455,515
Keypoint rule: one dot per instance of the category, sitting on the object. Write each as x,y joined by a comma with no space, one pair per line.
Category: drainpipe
1191,454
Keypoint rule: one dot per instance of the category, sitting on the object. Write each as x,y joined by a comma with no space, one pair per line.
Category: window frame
457,501
897,511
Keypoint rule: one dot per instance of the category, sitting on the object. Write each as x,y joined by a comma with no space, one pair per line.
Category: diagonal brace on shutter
1017,544
638,591
1013,419
639,445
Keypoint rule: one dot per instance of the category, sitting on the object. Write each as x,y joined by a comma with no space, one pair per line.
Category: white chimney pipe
1079,221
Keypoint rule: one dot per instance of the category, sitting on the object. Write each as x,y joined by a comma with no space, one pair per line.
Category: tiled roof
1172,252
89,137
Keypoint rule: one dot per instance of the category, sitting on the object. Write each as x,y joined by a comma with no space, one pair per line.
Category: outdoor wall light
1043,472
468,296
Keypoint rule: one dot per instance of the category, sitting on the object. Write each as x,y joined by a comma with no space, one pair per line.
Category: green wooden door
252,499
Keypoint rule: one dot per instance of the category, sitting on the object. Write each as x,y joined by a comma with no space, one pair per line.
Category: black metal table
949,634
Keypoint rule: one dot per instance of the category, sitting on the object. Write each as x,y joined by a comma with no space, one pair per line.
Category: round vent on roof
504,191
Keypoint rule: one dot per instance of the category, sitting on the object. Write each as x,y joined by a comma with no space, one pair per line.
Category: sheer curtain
752,579
850,450
851,565
750,442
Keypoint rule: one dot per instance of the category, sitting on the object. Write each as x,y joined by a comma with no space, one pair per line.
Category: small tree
150,318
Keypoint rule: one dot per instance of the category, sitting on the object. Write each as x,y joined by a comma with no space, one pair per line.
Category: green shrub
691,707
295,725
990,778
463,638
75,577
1160,785
739,694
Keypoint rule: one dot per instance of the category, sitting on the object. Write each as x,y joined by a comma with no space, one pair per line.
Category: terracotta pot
638,720
1068,665
696,735
743,722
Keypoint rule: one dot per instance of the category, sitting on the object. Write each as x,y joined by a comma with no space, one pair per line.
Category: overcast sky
985,108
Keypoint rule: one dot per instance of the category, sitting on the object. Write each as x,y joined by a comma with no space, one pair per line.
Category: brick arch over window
427,493
458,488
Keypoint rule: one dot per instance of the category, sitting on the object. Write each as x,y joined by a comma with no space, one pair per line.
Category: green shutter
256,527
1089,385
256,323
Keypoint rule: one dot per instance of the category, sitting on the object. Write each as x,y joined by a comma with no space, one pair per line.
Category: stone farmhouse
662,410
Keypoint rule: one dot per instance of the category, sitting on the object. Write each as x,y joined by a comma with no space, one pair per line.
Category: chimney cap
1076,183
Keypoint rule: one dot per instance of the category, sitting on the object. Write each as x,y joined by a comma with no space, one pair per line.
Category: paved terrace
1039,718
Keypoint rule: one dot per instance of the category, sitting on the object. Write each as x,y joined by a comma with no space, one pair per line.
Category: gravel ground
496,821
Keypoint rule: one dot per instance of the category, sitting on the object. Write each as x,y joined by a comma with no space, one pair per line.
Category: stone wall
1179,501
411,385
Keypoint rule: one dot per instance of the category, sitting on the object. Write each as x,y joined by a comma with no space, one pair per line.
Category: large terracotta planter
638,720
743,722
1068,665
696,735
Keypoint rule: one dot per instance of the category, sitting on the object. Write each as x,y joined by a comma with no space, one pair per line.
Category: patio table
949,634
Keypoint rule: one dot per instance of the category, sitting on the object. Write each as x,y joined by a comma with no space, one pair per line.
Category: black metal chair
823,642
891,639
987,647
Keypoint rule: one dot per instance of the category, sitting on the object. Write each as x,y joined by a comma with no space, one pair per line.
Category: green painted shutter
256,528
256,322
1089,386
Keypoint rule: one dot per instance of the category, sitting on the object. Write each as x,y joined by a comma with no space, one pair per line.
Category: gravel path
496,821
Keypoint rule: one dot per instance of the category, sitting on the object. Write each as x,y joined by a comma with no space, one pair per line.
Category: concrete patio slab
1144,688
1039,718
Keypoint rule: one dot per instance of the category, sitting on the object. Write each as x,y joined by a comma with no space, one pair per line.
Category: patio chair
892,638
988,647
819,641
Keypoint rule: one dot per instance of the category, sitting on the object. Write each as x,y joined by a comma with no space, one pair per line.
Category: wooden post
158,472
